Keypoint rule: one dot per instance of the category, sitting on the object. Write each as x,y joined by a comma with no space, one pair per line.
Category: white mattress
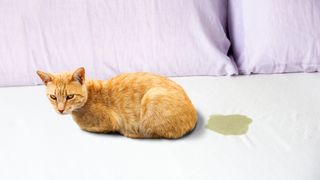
283,141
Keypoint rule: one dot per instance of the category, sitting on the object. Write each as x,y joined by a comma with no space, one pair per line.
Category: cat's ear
45,77
79,75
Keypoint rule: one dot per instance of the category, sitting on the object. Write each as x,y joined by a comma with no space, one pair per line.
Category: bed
203,46
282,142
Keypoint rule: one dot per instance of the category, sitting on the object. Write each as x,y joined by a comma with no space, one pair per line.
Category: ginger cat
137,105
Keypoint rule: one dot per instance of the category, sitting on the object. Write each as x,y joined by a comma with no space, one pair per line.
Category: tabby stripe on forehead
61,90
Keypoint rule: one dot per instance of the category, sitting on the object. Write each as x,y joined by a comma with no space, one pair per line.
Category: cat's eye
53,97
70,96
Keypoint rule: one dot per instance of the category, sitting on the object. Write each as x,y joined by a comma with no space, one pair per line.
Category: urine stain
234,124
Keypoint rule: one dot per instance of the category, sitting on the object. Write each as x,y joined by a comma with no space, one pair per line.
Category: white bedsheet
283,141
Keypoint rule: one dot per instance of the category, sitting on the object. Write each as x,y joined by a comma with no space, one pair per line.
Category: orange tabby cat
137,105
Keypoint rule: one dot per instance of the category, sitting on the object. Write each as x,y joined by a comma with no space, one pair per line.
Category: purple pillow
275,36
173,38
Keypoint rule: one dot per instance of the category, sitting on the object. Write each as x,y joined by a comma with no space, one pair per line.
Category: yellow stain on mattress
229,124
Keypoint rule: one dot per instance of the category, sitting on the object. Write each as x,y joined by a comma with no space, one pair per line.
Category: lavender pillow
173,38
275,36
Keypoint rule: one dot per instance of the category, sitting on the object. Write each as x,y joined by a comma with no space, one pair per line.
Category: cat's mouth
64,112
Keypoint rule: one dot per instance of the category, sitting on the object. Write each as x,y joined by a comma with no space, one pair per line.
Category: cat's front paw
134,136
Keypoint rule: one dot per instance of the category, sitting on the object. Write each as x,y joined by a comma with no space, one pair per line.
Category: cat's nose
61,110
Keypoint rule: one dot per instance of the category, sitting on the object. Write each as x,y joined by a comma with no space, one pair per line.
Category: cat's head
66,91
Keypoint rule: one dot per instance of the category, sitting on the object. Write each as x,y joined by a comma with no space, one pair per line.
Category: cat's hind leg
167,113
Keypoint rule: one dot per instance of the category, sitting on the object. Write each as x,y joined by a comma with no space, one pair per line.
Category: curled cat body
137,105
